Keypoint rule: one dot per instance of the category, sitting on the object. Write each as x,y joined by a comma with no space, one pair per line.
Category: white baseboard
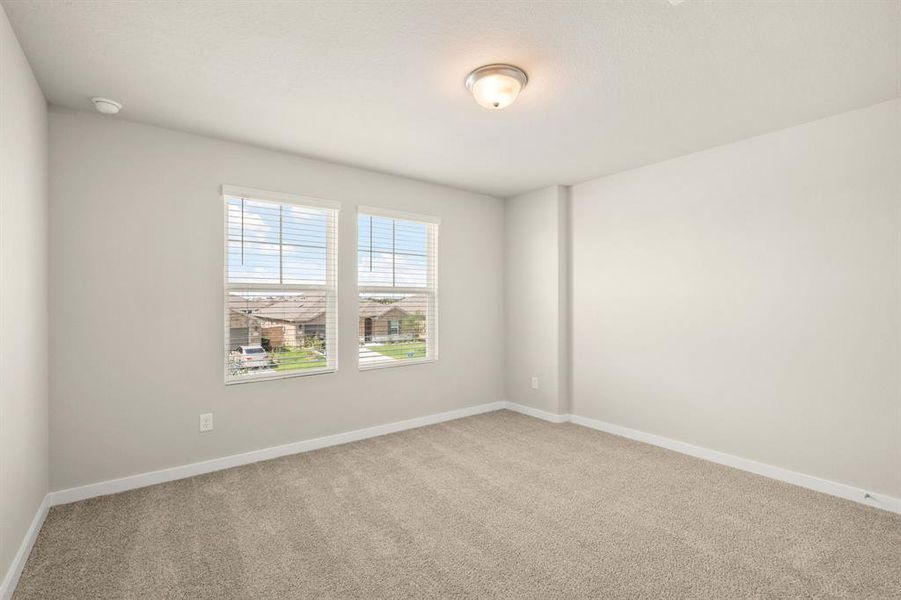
15,569
132,482
536,412
145,479
825,486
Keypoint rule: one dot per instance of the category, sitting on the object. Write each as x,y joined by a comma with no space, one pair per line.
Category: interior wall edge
537,413
535,293
564,248
24,334
11,577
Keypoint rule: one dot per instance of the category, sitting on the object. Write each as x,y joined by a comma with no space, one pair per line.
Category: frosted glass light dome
496,86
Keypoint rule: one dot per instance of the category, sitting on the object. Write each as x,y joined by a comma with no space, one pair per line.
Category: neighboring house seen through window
397,283
280,285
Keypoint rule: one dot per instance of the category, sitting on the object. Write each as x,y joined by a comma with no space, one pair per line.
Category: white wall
748,298
23,295
136,309
535,288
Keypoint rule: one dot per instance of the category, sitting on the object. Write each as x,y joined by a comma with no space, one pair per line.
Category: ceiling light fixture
106,106
496,86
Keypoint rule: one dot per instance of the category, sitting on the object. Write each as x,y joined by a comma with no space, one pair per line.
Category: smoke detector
106,106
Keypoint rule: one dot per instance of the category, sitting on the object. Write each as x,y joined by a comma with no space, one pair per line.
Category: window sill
256,378
395,364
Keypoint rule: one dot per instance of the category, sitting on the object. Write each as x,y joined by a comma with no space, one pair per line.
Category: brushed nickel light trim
508,81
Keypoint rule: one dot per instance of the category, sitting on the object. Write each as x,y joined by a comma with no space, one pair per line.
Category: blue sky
390,252
254,257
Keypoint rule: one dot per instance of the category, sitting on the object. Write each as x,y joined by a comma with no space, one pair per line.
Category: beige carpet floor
494,506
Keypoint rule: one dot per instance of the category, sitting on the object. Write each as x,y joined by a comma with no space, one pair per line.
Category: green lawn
298,358
401,350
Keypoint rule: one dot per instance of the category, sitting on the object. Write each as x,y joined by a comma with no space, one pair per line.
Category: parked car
252,357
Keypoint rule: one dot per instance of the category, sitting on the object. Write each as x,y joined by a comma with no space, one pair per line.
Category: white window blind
398,286
280,285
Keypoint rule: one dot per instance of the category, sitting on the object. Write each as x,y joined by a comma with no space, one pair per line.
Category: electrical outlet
534,382
206,422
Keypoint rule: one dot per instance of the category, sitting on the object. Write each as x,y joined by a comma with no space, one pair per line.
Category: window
280,285
397,281
316,329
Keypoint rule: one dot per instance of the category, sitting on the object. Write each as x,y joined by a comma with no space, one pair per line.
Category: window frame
433,225
393,326
330,287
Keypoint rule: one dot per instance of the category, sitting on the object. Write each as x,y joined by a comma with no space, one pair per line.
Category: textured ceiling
380,85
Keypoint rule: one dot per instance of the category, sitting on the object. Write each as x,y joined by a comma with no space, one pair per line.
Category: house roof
307,307
372,309
292,309
300,310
